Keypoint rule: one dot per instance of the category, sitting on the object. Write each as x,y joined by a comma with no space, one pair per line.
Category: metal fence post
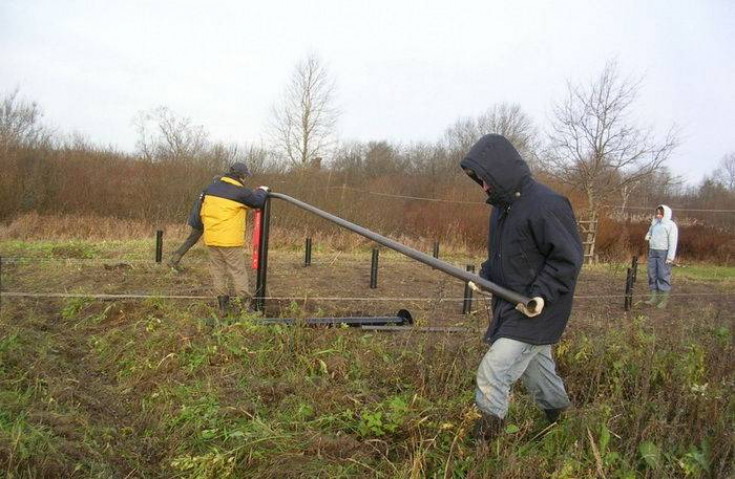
629,290
635,268
436,249
159,246
262,274
374,269
307,253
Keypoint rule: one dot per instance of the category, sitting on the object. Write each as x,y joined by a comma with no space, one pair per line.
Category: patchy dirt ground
337,284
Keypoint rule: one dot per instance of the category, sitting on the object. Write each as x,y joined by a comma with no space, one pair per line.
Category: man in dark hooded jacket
533,249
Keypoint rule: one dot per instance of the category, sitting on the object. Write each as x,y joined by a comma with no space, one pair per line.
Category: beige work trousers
229,261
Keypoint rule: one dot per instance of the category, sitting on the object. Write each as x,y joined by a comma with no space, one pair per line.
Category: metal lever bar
447,268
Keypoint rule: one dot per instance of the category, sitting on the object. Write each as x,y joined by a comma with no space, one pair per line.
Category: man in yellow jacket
223,213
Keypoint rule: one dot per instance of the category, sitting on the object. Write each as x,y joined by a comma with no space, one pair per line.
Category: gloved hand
536,311
669,261
648,237
264,188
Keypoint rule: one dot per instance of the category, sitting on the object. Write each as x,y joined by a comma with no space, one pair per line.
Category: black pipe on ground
402,318
447,268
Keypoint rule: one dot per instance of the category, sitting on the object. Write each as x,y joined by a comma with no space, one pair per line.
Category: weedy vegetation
163,388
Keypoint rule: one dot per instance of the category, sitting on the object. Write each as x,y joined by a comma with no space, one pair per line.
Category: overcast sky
405,70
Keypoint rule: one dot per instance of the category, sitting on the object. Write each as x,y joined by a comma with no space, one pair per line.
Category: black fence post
307,253
629,290
374,269
467,303
635,268
436,249
159,246
262,273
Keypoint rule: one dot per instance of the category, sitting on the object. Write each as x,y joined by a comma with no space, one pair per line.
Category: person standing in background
662,237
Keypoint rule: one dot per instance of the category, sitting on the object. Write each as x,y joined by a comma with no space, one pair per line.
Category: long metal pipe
447,268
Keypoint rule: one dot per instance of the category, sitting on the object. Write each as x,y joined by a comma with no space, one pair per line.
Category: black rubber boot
224,305
487,427
553,415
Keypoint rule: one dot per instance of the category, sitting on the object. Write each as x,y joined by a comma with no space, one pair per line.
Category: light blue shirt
663,234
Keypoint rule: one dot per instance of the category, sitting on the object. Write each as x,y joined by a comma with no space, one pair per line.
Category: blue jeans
659,273
505,362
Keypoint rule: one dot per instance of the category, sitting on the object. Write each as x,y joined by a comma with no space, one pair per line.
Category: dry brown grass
32,226
617,241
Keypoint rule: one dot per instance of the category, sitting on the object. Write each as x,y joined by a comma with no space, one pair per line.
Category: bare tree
349,160
725,172
595,146
651,190
505,119
164,136
426,159
382,159
304,123
20,123
260,160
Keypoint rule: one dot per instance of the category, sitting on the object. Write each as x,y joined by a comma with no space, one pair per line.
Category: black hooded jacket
533,246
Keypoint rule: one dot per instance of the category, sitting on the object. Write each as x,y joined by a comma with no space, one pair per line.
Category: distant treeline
376,185
414,191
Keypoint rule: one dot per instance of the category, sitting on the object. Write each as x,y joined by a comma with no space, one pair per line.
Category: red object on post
256,238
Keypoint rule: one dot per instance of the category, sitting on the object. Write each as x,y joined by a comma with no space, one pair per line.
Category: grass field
162,388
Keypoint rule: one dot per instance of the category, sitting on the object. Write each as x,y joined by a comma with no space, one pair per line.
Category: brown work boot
487,427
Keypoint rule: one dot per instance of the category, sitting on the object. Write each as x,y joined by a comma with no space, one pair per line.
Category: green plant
72,307
387,418
696,461
212,465
650,454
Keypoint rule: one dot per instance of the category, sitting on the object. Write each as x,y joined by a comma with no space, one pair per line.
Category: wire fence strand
22,294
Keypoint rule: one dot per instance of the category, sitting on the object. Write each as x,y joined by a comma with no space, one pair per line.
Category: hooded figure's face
663,213
494,164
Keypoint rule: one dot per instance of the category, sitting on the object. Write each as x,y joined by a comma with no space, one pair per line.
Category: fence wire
22,294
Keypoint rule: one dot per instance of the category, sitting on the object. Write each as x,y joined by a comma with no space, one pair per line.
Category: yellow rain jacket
224,211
